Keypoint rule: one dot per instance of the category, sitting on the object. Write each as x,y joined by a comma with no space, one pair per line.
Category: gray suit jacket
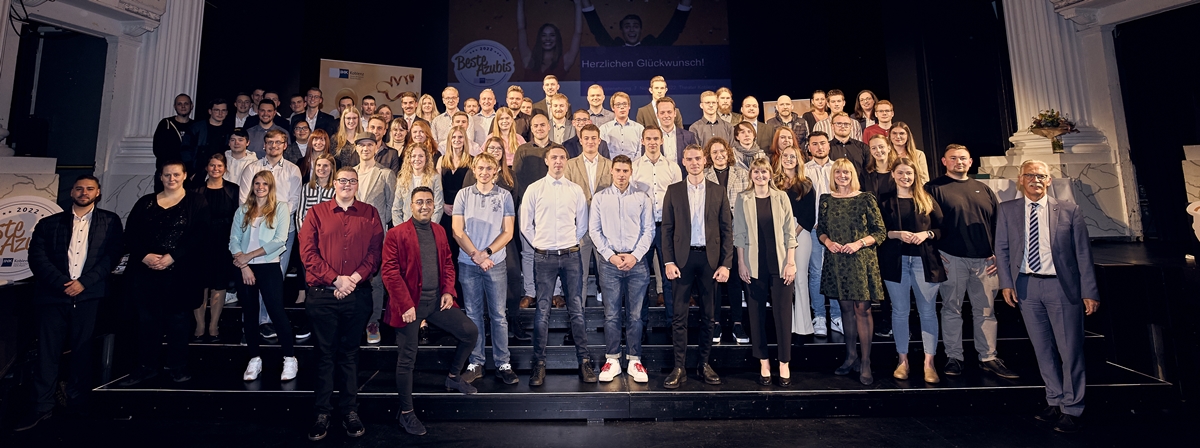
577,172
1069,246
381,194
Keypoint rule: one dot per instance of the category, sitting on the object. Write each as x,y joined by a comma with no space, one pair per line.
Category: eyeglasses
275,143
841,124
344,181
1039,177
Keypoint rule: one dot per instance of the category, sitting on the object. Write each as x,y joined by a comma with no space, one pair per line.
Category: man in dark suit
1044,260
648,115
764,132
314,116
574,147
675,138
71,255
697,239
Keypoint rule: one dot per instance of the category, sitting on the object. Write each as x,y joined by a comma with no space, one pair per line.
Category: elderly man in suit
697,239
592,172
71,255
1044,260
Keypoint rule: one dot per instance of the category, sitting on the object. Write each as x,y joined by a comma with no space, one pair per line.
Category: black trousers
516,287
268,279
695,274
160,313
780,295
453,321
730,291
338,326
57,325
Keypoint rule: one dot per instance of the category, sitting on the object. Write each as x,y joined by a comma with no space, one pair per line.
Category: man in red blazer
418,271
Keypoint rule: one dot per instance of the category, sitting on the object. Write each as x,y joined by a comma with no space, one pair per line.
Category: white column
8,63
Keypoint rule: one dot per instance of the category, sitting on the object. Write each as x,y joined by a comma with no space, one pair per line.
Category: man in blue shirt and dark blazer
1044,260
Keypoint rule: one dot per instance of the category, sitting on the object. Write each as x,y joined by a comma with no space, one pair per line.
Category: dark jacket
677,226
891,250
574,148
48,256
324,121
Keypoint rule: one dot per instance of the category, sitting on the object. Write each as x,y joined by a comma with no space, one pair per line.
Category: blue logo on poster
343,73
6,263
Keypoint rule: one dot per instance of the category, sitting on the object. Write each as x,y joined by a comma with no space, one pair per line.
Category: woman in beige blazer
764,233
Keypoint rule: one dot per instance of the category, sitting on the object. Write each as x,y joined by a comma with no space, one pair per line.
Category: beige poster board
355,79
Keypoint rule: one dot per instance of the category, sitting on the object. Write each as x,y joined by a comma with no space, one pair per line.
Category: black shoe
267,331
507,376
139,376
997,367
456,384
538,376
1051,414
675,379
716,333
739,334
423,335
32,420
883,332
320,428
569,339
587,371
785,382
847,367
764,380
953,367
411,424
520,333
709,375
1068,424
645,336
354,426
473,372
180,375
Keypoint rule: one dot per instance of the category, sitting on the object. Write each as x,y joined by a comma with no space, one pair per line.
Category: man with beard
266,122
837,103
785,117
71,254
521,120
725,106
560,128
763,132
843,146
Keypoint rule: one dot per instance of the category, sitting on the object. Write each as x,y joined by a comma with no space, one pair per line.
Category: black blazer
677,225
48,256
574,148
324,121
891,250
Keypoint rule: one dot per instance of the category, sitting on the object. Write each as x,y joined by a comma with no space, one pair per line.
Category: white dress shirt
554,214
819,175
654,177
668,146
287,180
1047,258
77,251
695,194
590,166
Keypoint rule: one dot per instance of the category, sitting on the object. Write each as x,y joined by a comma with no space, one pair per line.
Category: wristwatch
488,250
930,233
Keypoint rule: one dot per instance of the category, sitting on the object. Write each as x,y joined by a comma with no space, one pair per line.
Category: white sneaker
253,368
612,368
230,297
638,372
837,325
290,366
819,327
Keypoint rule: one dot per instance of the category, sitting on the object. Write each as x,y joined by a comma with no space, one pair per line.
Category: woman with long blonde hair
427,108
503,128
454,166
257,240
343,144
418,170
790,178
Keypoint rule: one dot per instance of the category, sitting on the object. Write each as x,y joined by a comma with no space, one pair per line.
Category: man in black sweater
968,236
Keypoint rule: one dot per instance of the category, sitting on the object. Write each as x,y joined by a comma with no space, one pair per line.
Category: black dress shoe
520,333
139,376
538,376
1068,424
32,419
997,367
675,379
412,424
587,371
709,375
764,380
847,367
785,382
1052,414
953,367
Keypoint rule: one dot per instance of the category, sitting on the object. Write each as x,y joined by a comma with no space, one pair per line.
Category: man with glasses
884,112
341,245
314,116
622,135
582,118
299,146
442,123
967,242
842,145
837,103
711,125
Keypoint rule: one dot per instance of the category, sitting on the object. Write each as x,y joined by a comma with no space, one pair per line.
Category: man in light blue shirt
621,226
622,135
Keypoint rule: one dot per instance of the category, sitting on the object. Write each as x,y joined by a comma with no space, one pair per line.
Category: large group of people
457,218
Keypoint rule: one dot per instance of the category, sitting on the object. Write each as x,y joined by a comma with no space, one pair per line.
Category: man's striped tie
1035,250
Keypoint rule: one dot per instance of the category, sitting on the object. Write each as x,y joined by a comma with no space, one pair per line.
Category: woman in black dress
878,179
167,230
215,273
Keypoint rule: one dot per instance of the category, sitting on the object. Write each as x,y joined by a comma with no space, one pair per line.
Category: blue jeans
814,282
626,288
912,277
487,292
656,248
547,269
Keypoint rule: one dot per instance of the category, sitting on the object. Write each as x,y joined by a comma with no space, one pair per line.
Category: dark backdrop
1156,76
943,62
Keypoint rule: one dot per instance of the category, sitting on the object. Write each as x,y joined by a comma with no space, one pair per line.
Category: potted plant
1052,124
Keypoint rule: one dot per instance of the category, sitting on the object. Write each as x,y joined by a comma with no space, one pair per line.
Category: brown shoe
692,301
931,376
660,300
901,372
558,301
526,302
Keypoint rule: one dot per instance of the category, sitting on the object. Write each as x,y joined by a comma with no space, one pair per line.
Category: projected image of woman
546,57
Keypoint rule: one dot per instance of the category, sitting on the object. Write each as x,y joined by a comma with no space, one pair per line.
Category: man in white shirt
817,170
442,123
675,138
408,107
622,135
553,219
654,172
648,114
242,105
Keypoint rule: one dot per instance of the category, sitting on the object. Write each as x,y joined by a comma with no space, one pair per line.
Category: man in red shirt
418,271
340,243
